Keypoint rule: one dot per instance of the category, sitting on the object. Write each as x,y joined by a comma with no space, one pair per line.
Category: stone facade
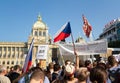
12,53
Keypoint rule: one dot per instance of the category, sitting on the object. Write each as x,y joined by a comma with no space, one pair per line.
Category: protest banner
90,48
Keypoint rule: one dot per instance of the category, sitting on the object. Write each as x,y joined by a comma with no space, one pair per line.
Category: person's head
56,67
87,63
37,77
67,62
81,63
69,72
3,70
16,68
94,64
82,74
51,65
102,65
34,69
112,61
98,75
11,68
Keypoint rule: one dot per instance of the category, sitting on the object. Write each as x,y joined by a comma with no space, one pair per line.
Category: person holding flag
63,33
28,60
86,27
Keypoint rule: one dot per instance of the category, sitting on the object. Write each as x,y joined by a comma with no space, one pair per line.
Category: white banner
90,48
42,52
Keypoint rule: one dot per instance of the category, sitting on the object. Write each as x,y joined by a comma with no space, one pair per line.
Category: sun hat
69,69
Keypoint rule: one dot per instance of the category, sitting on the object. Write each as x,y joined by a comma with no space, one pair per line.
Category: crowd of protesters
87,72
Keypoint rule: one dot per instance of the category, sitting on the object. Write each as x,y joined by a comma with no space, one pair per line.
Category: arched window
12,62
0,55
9,55
4,48
4,56
21,55
44,33
13,55
3,62
7,67
17,49
0,48
35,34
40,33
13,49
9,49
21,62
8,62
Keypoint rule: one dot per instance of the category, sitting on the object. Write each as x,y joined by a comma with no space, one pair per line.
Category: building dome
39,23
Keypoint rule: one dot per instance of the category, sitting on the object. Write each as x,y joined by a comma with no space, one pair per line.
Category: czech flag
63,33
28,60
86,27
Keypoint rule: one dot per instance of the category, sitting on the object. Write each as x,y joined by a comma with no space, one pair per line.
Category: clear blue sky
18,16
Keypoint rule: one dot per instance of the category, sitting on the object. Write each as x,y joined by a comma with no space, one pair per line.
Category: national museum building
12,53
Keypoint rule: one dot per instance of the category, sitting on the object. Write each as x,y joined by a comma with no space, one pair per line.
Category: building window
0,55
3,62
13,49
25,50
17,49
9,55
35,33
4,48
44,34
12,62
8,62
21,55
21,62
40,33
16,55
0,48
17,62
7,67
9,49
4,56
21,49
13,55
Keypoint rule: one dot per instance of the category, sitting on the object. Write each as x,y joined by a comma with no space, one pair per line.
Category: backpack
114,75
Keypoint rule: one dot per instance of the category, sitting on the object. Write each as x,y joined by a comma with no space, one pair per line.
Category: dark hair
66,62
56,67
87,62
16,67
81,63
102,65
98,75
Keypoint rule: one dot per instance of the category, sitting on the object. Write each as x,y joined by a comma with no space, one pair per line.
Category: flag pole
77,57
